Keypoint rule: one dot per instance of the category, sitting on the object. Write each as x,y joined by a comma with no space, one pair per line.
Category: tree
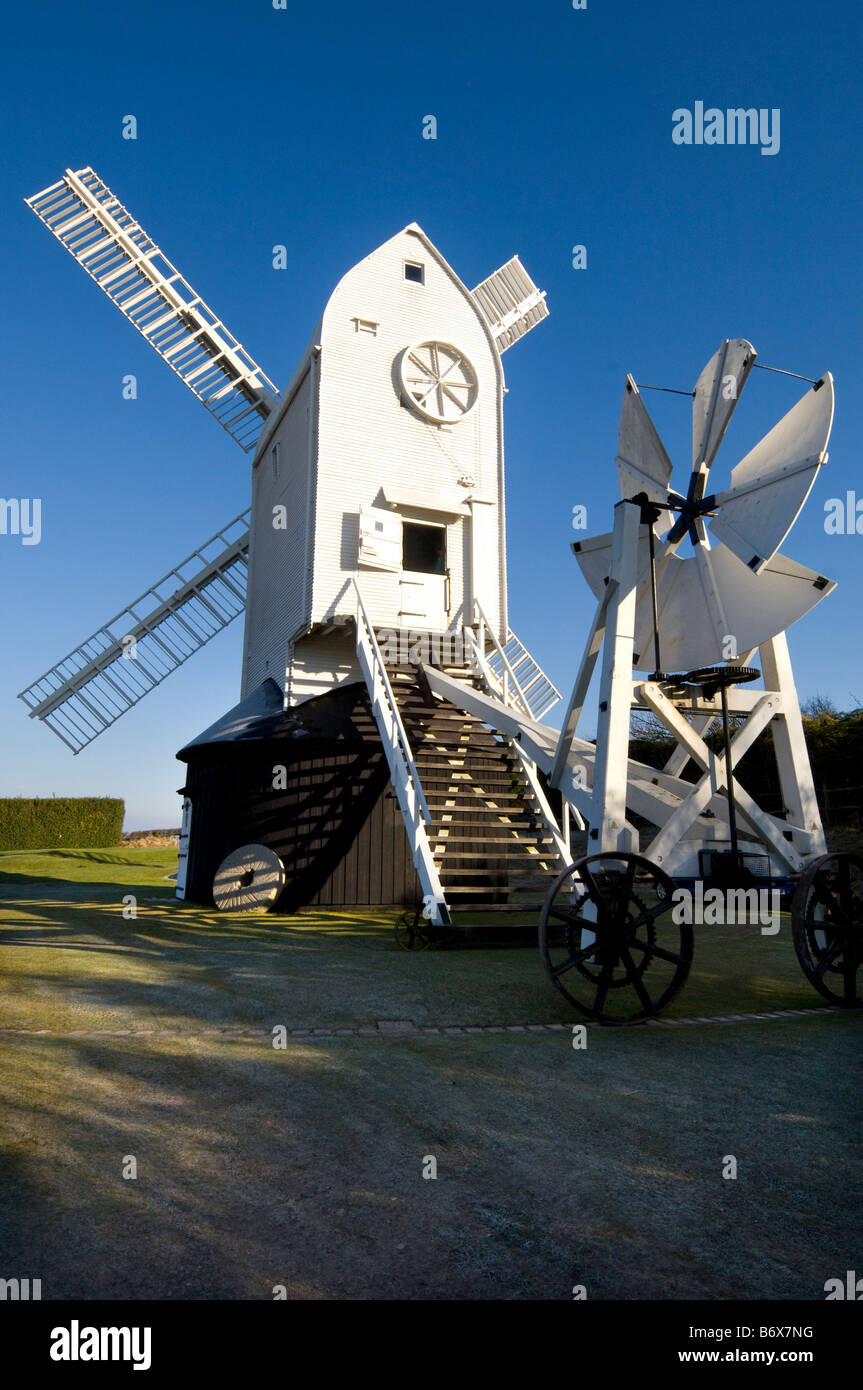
817,705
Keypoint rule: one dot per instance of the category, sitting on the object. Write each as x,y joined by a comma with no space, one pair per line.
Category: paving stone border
403,1028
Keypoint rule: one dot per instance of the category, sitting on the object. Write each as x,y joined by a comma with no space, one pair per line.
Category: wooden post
792,755
608,829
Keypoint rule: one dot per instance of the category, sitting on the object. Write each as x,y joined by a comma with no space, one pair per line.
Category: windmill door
424,581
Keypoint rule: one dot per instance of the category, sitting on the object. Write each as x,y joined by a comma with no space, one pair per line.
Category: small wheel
608,940
827,925
412,932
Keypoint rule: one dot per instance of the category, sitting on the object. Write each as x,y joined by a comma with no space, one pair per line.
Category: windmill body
355,480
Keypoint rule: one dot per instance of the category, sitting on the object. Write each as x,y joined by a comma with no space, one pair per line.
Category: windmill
379,669
693,622
376,518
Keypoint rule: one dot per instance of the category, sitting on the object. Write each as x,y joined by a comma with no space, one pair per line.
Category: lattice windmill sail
103,677
127,265
511,303
95,684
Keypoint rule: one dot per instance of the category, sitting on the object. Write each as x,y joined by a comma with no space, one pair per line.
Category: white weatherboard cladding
318,664
276,607
370,444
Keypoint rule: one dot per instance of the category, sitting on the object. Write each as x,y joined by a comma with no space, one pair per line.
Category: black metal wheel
827,924
412,930
608,939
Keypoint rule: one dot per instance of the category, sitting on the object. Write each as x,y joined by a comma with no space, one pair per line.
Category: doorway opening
423,548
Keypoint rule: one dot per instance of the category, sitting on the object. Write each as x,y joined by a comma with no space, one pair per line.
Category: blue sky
303,126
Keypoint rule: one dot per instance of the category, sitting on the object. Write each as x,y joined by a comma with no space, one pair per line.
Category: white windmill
695,622
377,507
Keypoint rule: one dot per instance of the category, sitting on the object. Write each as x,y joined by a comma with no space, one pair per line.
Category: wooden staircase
490,841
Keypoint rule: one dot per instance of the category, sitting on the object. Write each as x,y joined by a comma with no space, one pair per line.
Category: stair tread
523,854
502,795
495,835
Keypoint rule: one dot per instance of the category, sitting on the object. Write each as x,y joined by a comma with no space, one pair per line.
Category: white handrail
383,680
561,838
508,671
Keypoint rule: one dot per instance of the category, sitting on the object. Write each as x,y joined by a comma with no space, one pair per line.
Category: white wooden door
423,601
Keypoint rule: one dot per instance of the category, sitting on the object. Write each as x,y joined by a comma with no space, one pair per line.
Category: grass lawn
303,1166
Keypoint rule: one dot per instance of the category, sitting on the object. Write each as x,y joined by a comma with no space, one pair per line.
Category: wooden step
527,836
541,855
499,890
486,784
439,799
465,762
515,820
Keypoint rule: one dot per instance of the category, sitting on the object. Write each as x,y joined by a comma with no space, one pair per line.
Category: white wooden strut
608,827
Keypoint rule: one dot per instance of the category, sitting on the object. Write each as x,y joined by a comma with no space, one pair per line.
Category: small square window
415,271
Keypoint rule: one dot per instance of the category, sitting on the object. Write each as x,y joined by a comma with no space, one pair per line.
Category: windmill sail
770,485
511,303
704,598
116,252
642,463
111,671
715,397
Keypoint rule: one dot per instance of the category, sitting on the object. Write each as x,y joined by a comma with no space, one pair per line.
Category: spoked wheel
608,941
827,923
412,930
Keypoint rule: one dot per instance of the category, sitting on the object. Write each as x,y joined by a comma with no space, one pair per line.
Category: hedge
81,822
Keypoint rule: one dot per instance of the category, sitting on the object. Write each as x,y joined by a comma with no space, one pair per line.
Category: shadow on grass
257,1167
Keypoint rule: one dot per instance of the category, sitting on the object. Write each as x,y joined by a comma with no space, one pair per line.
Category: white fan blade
706,598
594,558
716,394
770,485
709,597
642,463
594,561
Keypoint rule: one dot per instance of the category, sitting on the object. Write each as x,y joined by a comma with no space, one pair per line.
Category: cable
782,372
642,386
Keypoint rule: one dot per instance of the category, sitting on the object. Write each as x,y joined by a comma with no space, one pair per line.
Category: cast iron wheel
827,925
639,957
592,971
412,933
